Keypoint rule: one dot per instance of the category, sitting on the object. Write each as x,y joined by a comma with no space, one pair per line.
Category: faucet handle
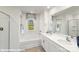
68,38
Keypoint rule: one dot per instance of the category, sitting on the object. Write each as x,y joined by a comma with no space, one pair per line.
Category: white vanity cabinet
50,46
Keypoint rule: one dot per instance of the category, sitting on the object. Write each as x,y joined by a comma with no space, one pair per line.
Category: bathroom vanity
51,46
65,28
55,43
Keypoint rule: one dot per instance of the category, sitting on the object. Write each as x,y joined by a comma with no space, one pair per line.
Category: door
4,32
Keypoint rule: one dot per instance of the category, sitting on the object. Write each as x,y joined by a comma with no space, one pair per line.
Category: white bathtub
27,41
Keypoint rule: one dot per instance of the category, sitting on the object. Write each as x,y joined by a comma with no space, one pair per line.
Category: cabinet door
42,39
51,46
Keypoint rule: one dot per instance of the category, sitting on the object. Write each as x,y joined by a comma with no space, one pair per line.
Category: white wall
44,21
41,27
14,25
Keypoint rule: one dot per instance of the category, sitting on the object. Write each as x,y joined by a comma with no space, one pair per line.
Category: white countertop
61,40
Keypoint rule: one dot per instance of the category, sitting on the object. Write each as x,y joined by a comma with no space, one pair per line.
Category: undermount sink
64,42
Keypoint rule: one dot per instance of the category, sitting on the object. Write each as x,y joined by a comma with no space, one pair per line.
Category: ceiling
33,9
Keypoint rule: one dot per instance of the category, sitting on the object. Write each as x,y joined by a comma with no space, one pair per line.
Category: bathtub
27,41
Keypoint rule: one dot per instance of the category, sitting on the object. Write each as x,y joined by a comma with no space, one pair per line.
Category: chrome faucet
49,32
67,38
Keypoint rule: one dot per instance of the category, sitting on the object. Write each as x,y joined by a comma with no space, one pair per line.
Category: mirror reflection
66,24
